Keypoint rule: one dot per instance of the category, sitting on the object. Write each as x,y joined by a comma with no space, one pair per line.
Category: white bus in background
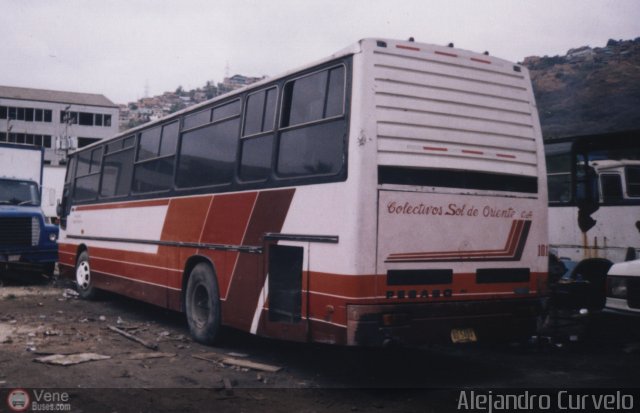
594,199
392,192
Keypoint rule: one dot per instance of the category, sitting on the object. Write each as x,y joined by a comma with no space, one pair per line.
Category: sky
124,48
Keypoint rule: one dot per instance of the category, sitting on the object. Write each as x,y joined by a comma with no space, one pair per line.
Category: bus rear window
400,175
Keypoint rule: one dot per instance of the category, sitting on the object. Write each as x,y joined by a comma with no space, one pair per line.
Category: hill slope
588,91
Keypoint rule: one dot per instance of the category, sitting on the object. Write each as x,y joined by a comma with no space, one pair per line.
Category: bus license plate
463,335
13,258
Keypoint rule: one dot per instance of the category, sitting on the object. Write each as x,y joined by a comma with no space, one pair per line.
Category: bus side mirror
587,198
59,209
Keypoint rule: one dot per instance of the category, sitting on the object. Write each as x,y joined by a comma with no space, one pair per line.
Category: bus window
633,181
117,170
88,175
255,164
208,155
227,110
313,149
311,98
260,112
197,119
149,144
559,187
611,187
257,148
154,170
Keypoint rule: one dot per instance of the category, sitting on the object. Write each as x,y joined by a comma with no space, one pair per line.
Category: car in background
623,287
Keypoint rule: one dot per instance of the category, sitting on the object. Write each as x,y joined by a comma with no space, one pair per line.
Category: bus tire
84,281
203,304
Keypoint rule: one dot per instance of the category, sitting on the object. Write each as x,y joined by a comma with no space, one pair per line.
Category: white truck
27,242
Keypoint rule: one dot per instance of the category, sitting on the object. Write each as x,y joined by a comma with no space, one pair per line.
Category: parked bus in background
393,192
594,215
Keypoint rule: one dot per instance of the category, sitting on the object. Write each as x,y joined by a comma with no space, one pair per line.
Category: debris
154,355
119,321
251,365
102,318
152,346
240,355
218,358
70,359
69,293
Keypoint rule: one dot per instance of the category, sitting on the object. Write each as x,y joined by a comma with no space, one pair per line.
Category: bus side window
313,114
118,168
208,154
611,186
257,141
153,170
633,181
88,175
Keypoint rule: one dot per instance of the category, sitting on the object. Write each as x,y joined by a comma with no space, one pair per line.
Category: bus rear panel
461,251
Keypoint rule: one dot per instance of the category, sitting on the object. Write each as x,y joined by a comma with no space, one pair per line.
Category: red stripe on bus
475,59
247,280
415,49
503,155
472,152
226,224
433,148
446,54
185,219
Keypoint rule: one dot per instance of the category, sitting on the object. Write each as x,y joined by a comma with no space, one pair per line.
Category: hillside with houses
155,107
588,90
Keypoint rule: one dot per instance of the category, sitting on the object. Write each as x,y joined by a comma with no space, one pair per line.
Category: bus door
286,290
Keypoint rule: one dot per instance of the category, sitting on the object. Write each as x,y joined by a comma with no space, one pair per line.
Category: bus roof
609,164
355,48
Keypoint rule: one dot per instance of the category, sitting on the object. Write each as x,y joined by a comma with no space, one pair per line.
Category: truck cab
27,242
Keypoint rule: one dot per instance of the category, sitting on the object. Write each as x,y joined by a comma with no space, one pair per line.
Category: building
58,121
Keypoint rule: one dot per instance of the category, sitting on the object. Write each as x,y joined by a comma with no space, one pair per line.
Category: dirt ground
173,373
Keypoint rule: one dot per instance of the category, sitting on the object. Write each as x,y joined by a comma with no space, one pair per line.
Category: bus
394,192
594,214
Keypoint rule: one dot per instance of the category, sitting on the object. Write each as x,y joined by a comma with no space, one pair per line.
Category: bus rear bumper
439,323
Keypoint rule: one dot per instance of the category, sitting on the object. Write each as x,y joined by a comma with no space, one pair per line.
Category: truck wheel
84,283
203,304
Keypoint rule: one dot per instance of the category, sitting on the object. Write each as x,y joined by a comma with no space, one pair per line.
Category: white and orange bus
393,192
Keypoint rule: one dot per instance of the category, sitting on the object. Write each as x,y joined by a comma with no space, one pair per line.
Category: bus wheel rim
83,275
201,307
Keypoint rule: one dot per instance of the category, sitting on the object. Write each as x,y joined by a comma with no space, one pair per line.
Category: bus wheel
84,284
203,304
